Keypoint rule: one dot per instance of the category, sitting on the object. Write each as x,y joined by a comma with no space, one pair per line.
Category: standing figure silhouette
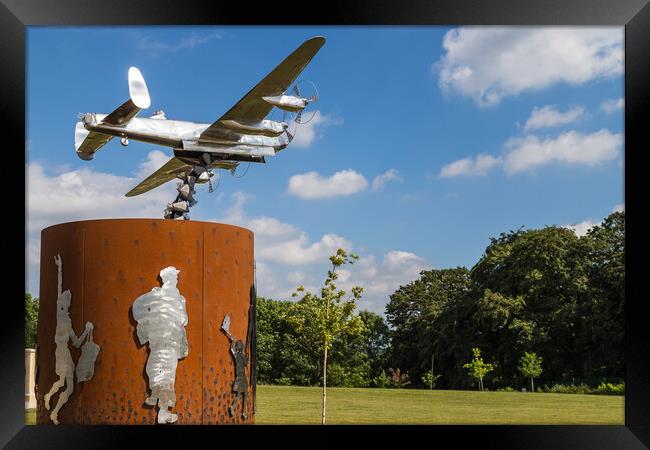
64,366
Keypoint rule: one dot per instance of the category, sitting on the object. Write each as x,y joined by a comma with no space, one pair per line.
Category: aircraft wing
87,143
252,108
169,171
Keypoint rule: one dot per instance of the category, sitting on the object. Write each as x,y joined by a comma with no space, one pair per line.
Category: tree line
541,304
543,292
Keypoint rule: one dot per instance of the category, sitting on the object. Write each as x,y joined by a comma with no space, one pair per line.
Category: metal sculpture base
179,209
108,264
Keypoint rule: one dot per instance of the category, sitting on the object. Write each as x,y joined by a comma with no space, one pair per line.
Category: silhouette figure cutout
161,319
64,366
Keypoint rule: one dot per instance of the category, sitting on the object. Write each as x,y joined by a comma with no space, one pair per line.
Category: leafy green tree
321,319
530,366
477,368
419,316
547,290
283,357
602,340
349,352
376,341
31,321
503,328
381,380
347,375
544,289
542,280
429,379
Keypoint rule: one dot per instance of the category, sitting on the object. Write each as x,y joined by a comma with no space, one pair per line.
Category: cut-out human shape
240,385
64,366
86,364
161,319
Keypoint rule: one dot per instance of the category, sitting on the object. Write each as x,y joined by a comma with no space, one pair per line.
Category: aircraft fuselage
239,141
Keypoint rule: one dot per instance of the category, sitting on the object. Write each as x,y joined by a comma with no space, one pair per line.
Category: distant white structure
30,369
161,319
64,366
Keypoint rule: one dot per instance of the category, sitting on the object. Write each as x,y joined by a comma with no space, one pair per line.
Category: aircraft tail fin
138,100
88,142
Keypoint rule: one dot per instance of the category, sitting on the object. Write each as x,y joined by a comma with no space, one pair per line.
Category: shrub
398,379
506,389
429,380
339,376
381,381
568,389
610,389
284,381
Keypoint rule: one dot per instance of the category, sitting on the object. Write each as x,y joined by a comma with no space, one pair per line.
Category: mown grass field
302,405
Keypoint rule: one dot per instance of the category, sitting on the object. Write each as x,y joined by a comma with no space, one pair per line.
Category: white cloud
147,43
280,242
286,258
269,226
526,153
488,64
380,180
571,148
549,116
612,105
82,194
581,228
87,194
295,277
279,246
305,134
33,252
269,284
155,160
381,279
312,185
299,251
480,165
236,215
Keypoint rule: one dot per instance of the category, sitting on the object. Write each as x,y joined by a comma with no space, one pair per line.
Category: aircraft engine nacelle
287,102
270,128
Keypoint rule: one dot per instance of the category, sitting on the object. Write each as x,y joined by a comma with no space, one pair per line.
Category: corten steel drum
107,264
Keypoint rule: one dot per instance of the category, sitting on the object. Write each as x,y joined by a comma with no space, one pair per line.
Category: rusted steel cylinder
106,265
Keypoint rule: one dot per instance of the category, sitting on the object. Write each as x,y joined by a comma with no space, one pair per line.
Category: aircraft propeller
309,100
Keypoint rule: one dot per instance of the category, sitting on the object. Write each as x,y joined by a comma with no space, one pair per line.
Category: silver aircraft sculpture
242,134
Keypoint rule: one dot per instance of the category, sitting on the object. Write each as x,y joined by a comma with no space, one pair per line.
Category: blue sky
427,141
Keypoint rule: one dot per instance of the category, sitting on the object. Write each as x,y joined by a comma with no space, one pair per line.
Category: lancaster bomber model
242,134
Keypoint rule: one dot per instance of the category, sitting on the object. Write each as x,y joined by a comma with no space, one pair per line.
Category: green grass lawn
302,405
30,416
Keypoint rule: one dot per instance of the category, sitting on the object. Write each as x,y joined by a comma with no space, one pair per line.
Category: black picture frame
16,15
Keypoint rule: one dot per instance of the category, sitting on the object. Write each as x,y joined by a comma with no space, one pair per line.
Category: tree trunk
532,387
432,356
324,385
